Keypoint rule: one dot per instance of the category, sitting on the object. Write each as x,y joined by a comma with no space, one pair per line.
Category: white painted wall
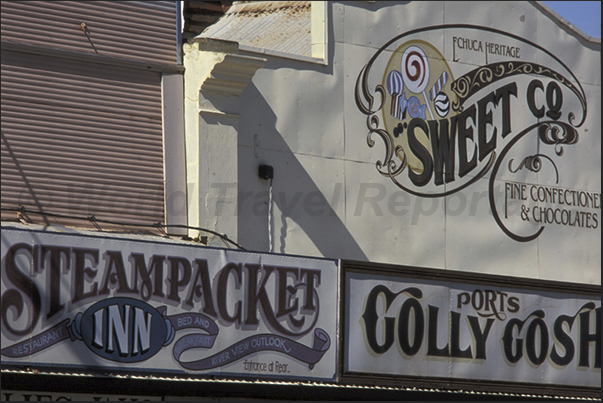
330,200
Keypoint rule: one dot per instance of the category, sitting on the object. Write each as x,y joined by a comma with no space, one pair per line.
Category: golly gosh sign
147,306
399,326
512,112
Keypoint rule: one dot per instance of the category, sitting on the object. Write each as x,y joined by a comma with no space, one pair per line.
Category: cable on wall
270,217
96,221
267,172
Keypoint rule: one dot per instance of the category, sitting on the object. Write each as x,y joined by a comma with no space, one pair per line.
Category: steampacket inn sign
131,305
505,114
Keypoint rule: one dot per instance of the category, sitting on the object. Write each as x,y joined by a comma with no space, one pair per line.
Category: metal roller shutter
82,139
136,30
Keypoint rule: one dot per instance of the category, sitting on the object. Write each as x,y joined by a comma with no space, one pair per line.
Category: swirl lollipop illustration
415,71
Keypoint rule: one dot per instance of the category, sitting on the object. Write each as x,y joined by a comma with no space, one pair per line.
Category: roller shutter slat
102,158
143,31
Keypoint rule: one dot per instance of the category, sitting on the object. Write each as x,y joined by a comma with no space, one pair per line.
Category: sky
585,15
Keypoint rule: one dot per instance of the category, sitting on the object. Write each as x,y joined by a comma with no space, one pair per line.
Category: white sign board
409,327
74,300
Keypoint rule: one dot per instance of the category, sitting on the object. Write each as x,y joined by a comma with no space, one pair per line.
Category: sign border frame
97,372
457,384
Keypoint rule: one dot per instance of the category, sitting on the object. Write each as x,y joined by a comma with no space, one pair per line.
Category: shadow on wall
298,202
20,170
304,220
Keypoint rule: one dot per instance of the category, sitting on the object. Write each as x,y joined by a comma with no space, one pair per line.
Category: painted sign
152,306
401,326
498,108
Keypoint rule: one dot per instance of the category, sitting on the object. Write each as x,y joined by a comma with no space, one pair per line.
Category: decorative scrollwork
371,99
368,104
533,163
558,134
468,84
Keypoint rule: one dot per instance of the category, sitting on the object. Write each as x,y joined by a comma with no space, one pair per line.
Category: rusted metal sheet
282,26
81,139
143,31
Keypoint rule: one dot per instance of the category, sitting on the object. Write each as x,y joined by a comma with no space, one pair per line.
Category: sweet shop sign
454,106
133,305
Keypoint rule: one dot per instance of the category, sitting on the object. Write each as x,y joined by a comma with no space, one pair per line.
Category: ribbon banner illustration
129,330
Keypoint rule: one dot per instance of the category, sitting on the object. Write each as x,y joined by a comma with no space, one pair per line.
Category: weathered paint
131,304
330,198
214,78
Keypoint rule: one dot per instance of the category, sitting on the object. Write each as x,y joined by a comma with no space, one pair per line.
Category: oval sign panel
417,82
122,329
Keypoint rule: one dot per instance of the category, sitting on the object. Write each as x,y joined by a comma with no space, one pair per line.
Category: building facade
359,200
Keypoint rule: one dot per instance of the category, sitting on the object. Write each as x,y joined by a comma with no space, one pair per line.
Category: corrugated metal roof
282,26
198,15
